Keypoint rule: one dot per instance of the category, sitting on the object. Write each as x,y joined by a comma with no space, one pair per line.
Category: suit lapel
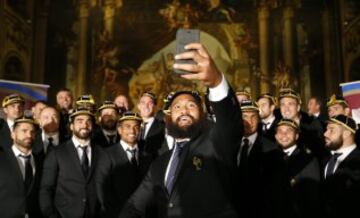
355,154
72,153
16,167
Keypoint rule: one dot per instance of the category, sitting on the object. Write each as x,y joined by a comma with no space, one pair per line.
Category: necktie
244,152
133,160
111,139
331,164
143,130
50,145
84,160
265,126
174,165
28,172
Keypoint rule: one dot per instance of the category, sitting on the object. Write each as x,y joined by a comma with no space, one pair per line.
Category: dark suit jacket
341,191
117,178
303,173
14,200
270,133
38,145
65,191
248,183
155,138
202,186
5,134
99,138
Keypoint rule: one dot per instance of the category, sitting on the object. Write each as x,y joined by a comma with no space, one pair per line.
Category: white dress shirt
268,122
148,122
45,139
127,148
10,123
344,153
80,150
290,150
21,161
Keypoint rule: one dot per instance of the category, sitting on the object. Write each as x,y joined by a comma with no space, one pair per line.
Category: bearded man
106,133
194,178
68,185
341,186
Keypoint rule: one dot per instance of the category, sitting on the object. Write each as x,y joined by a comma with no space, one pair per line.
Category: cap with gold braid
336,99
24,119
172,95
345,121
107,104
85,99
81,111
11,99
243,92
290,93
289,122
129,115
150,95
249,105
268,96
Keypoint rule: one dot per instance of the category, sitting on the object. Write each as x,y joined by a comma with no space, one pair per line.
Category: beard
81,134
26,142
336,144
189,131
109,124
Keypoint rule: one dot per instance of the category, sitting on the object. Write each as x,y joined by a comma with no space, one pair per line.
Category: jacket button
84,200
171,205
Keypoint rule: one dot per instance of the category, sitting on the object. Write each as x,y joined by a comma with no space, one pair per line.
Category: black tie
331,164
143,131
133,160
174,165
244,152
28,172
50,145
111,139
84,160
265,126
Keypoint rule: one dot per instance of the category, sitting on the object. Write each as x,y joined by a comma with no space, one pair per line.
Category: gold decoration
197,162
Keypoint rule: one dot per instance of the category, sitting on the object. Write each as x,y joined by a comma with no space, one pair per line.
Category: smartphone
184,37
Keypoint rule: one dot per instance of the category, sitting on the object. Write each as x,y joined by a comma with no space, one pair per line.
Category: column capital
263,12
83,8
288,12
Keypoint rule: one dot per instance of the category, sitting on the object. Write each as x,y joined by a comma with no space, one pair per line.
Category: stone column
82,43
263,19
288,37
109,14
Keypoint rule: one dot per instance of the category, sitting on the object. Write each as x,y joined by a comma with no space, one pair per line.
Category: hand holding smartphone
184,37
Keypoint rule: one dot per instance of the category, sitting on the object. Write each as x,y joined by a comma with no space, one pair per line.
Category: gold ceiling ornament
284,77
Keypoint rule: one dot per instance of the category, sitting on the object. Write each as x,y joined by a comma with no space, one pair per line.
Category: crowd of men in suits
238,158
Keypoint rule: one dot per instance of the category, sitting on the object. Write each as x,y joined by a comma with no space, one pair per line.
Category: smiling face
146,107
82,126
185,118
289,108
286,136
64,100
129,131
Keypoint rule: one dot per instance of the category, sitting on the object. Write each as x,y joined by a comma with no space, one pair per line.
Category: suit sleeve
228,127
48,185
139,201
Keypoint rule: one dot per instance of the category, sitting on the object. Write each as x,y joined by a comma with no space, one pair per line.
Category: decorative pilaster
82,42
263,19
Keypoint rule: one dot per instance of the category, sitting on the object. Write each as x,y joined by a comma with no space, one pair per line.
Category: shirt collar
344,151
10,124
107,132
77,143
269,120
290,150
126,146
252,138
46,137
17,152
149,120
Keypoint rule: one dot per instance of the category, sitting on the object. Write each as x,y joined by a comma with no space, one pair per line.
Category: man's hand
205,70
